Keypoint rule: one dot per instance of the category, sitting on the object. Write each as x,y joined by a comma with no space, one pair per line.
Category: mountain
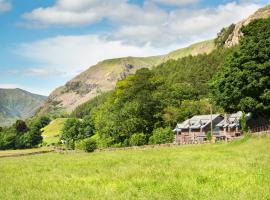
18,104
103,76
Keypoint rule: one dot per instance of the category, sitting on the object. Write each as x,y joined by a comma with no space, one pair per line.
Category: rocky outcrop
236,35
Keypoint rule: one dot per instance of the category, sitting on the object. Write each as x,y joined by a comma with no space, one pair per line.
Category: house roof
196,122
233,120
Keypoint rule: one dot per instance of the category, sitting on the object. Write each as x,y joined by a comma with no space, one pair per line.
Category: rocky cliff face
236,35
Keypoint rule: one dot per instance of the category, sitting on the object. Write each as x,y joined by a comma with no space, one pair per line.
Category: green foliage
86,108
149,99
87,145
23,135
243,82
71,132
20,127
162,136
243,123
137,139
130,109
7,138
209,136
76,129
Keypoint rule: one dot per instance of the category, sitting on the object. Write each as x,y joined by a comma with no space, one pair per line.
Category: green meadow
236,170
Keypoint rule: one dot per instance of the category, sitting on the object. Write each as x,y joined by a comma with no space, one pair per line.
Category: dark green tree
243,82
21,127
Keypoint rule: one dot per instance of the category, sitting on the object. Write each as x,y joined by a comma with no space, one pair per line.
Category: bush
137,139
162,136
87,145
243,123
209,136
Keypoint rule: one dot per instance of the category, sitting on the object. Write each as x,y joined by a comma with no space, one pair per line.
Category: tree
77,129
21,127
243,82
87,145
7,138
137,139
243,123
162,136
71,132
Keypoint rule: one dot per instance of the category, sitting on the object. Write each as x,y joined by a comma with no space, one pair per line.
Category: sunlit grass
52,131
239,170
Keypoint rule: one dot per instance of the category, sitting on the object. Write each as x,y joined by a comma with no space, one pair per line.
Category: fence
260,130
152,146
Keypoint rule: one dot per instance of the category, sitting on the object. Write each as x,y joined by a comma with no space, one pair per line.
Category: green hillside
52,131
239,170
194,49
18,104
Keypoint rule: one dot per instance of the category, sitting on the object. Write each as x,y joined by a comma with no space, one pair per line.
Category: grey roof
233,120
196,122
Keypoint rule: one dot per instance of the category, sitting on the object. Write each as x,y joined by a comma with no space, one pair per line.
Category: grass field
238,170
52,131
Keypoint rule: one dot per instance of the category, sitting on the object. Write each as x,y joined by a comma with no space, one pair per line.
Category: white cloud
176,2
186,25
83,12
5,6
148,24
71,55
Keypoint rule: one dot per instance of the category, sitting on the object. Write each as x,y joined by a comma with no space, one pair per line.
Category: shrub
87,145
162,136
209,136
243,123
137,139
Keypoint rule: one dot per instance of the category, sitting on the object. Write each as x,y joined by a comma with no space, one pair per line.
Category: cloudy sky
44,43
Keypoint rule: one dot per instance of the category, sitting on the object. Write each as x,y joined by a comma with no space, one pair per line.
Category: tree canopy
243,82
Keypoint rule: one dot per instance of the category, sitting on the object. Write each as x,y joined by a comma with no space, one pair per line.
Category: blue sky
44,43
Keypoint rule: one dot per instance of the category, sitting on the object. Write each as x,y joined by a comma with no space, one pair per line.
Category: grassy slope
195,49
240,170
53,130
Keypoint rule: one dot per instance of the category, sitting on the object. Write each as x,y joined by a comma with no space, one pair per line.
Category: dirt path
25,153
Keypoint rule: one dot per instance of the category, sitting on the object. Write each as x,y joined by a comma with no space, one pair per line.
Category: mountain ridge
18,104
88,84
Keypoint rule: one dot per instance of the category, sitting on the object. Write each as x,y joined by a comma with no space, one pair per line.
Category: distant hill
18,104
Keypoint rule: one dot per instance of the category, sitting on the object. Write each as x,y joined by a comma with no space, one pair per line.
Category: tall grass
240,170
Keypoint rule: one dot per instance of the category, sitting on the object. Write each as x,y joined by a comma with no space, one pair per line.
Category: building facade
196,128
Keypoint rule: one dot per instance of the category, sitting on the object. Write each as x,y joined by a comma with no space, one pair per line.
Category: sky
45,43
